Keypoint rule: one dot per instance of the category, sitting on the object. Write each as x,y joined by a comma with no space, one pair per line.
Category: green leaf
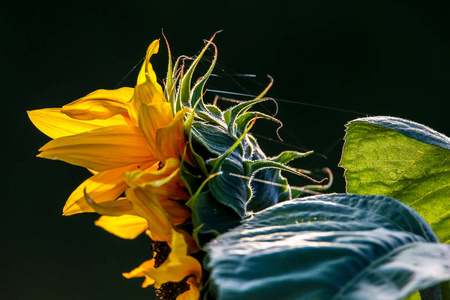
336,246
403,160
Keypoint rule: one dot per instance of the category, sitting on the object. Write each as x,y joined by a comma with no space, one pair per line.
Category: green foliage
403,160
227,185
336,246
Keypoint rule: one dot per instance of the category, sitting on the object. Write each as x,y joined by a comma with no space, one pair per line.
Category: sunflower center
171,290
162,251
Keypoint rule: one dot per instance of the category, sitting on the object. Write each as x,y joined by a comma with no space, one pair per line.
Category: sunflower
110,132
133,141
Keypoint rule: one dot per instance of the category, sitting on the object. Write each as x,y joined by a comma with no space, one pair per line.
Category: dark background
369,57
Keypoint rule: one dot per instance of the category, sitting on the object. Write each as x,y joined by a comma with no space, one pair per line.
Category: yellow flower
178,268
113,131
132,140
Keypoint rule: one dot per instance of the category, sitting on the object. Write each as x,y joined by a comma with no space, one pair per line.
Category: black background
369,57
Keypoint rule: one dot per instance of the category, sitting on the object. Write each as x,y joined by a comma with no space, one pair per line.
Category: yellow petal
125,226
193,293
191,243
118,207
177,266
147,206
153,117
100,104
147,89
171,140
146,73
103,186
101,149
139,272
55,124
156,178
167,185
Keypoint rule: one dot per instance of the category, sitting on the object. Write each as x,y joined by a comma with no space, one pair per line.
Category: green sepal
243,120
231,114
188,129
184,93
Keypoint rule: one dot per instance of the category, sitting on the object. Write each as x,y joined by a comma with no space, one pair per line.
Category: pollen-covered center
162,251
171,290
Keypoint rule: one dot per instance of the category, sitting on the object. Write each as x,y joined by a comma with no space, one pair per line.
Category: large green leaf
403,160
336,246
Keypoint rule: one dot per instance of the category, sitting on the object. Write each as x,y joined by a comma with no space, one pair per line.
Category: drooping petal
125,226
171,139
147,206
55,124
101,149
147,89
177,266
100,104
103,186
139,272
118,207
153,117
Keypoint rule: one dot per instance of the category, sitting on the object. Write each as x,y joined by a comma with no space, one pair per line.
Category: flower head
113,131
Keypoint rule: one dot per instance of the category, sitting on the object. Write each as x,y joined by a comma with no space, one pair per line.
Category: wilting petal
101,104
125,226
171,139
153,117
103,186
101,149
147,206
118,207
147,89
177,266
55,124
139,272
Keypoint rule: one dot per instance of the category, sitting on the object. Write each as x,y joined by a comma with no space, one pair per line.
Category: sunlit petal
153,117
55,124
101,149
157,177
167,185
191,243
119,207
103,186
101,104
139,272
147,89
171,139
193,293
177,266
147,206
125,226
